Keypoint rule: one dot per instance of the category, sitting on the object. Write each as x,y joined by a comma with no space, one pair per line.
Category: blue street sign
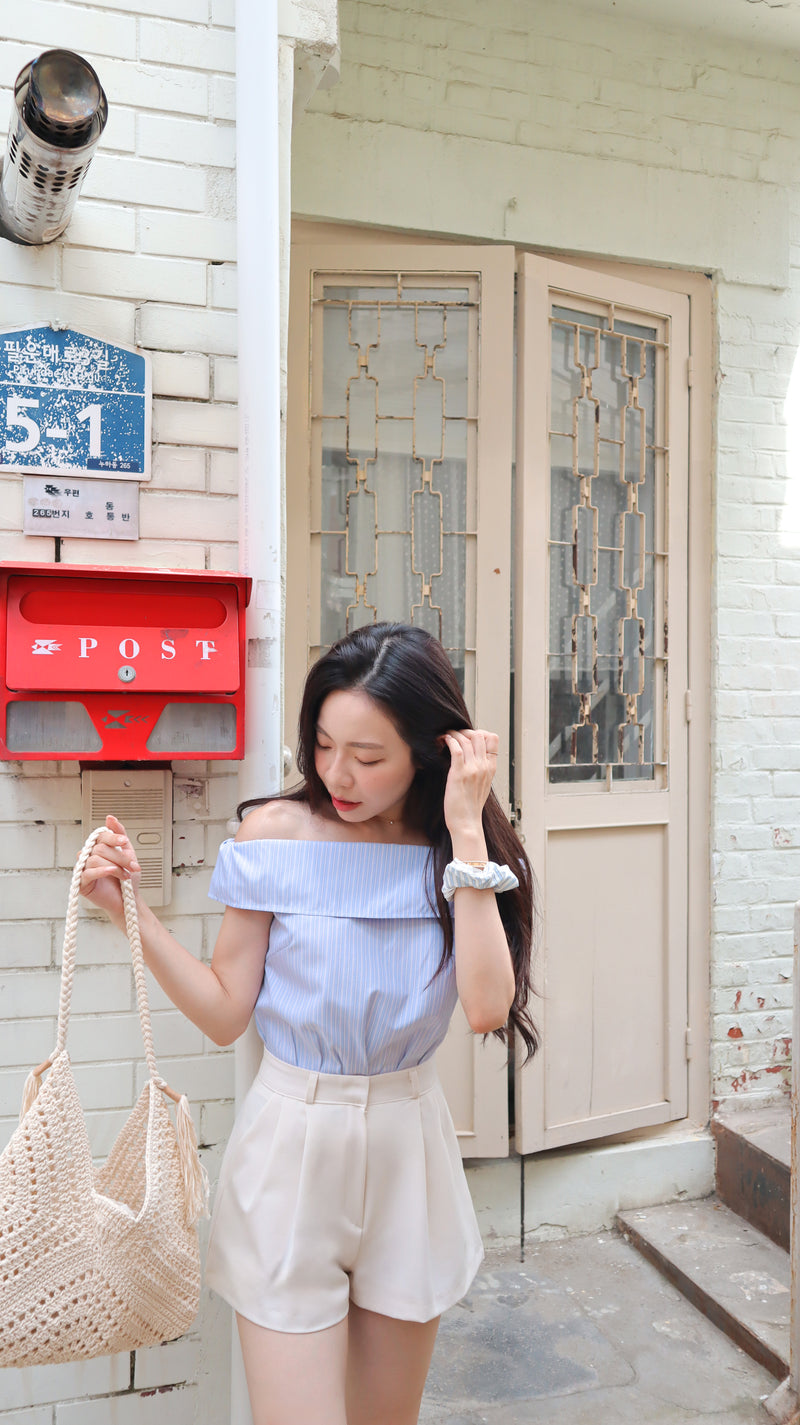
71,403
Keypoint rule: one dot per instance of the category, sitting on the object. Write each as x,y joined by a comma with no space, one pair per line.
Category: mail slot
133,665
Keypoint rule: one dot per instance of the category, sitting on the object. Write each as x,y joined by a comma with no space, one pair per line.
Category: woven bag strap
135,942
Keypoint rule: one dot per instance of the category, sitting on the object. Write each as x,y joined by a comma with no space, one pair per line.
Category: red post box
129,665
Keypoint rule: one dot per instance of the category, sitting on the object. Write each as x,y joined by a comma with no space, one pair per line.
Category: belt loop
414,1076
311,1087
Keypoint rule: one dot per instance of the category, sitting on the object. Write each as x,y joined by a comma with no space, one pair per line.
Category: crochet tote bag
97,1261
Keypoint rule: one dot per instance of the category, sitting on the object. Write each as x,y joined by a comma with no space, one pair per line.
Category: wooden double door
496,446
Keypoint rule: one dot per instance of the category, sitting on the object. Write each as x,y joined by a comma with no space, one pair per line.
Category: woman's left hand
473,763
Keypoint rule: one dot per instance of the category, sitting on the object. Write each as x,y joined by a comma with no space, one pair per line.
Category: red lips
344,806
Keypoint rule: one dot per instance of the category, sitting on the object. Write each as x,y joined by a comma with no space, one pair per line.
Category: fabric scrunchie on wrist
489,877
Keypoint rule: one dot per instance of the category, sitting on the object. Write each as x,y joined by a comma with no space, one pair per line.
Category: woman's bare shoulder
277,820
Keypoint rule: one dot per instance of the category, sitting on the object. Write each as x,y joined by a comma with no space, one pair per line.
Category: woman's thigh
387,1364
294,1377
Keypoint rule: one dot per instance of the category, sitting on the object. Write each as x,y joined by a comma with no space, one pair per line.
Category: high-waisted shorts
337,1188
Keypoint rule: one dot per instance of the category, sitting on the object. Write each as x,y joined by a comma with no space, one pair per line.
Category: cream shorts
338,1188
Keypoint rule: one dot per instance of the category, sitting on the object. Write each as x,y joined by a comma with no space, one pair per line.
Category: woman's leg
293,1377
387,1363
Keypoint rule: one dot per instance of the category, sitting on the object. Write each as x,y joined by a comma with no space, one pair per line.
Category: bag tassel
195,1177
30,1092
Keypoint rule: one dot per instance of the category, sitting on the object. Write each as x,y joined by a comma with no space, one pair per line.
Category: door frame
698,287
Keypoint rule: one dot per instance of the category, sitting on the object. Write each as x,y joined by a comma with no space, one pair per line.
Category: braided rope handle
68,965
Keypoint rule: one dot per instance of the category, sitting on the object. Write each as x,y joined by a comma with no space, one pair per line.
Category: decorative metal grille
395,407
607,656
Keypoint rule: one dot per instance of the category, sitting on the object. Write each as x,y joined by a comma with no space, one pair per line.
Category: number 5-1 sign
73,404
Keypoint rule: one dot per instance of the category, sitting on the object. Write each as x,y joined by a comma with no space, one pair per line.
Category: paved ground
586,1332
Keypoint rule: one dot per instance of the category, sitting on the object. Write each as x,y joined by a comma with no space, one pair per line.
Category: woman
343,1225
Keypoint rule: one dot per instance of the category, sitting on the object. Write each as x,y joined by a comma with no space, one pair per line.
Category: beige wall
592,133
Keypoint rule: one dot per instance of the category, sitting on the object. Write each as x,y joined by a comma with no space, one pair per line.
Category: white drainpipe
259,218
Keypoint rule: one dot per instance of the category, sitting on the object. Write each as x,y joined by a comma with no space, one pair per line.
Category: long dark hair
408,674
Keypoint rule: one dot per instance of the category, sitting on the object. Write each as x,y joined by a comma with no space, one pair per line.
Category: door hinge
688,704
689,1042
689,371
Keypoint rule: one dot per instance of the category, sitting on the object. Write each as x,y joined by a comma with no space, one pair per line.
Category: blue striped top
350,983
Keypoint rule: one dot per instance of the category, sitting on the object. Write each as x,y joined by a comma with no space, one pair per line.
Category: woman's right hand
113,860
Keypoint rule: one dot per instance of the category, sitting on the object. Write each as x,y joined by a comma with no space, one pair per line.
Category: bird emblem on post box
121,664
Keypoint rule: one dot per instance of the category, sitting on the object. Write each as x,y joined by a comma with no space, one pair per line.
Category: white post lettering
167,648
207,646
86,644
129,643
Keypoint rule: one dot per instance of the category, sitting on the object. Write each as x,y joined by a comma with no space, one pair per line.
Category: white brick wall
584,131
139,263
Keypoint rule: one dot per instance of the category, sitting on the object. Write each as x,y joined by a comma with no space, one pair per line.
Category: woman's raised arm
219,998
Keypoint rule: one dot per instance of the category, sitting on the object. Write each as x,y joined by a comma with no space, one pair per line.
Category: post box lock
107,664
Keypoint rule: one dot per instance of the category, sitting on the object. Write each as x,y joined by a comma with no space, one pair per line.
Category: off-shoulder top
350,983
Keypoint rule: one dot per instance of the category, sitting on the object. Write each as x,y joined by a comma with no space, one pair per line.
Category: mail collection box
133,665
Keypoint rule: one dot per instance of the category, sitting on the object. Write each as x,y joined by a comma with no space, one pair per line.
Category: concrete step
729,1270
754,1156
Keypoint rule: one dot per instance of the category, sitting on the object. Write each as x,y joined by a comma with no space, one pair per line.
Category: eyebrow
376,746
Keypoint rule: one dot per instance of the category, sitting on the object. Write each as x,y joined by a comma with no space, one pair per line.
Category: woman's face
361,758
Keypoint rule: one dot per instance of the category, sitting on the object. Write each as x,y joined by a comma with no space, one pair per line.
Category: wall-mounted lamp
61,112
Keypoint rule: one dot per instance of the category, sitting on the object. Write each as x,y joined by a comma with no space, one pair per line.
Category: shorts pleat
322,1202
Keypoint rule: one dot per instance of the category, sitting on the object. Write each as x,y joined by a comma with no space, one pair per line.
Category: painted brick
76,1378
189,46
141,277
226,380
100,225
168,1407
175,233
29,993
23,307
190,891
41,23
175,329
187,929
199,517
203,1078
39,1415
39,798
119,135
158,87
175,375
163,553
189,845
11,502
170,1364
224,557
223,97
28,266
26,847
179,467
156,185
224,472
25,943
223,12
97,1038
224,285
99,1086
26,1041
216,1122
193,423
171,9
213,145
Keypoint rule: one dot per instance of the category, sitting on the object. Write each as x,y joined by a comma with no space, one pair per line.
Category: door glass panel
395,405
607,552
